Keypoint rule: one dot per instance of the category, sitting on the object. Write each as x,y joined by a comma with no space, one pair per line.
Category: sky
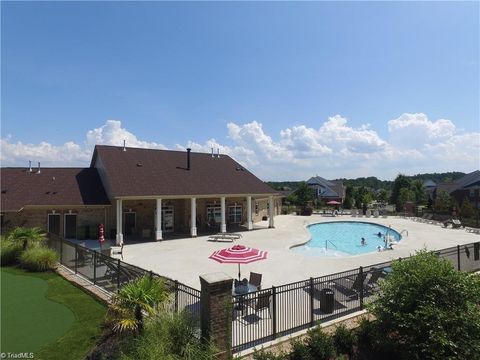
289,89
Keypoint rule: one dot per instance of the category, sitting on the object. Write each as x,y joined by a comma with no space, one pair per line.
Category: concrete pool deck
185,259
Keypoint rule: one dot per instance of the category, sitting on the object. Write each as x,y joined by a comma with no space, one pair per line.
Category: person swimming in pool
363,242
379,234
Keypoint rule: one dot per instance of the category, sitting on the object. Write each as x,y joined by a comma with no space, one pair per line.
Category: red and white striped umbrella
238,254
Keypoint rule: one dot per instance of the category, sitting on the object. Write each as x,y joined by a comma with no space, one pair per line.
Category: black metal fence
264,315
111,274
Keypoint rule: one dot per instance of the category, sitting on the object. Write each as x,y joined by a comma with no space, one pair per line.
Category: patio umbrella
238,254
333,202
101,235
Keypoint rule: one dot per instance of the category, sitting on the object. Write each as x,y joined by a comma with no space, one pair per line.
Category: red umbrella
238,254
333,202
101,236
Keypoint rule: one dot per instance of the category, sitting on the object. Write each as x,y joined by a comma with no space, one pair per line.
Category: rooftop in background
327,189
52,186
151,172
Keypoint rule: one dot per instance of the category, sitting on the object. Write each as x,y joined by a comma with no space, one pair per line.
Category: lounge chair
117,250
456,224
256,279
350,288
224,237
372,282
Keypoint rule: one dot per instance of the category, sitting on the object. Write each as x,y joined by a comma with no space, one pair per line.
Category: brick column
216,313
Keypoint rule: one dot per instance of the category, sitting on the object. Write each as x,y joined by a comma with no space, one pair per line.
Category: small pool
344,238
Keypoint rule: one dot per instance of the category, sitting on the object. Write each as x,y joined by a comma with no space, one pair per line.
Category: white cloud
414,144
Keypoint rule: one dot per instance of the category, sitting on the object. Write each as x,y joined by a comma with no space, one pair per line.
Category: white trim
170,197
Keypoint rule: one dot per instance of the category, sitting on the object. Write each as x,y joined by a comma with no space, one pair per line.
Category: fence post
118,274
274,310
176,296
361,286
61,251
94,267
216,312
76,257
151,274
458,257
311,302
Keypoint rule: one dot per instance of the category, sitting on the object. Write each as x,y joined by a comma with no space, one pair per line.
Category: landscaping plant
136,298
168,336
26,237
430,310
9,252
38,258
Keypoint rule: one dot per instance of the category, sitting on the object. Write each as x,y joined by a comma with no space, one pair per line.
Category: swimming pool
344,238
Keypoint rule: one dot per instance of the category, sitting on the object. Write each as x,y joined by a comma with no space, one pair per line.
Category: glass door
70,226
168,218
235,214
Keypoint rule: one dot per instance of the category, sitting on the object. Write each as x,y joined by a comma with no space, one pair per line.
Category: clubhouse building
138,194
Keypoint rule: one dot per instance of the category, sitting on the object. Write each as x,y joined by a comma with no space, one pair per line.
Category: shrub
168,336
268,355
9,252
38,258
26,236
320,345
299,350
343,340
429,309
141,296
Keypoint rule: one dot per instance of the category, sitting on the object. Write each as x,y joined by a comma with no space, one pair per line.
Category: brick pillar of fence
216,313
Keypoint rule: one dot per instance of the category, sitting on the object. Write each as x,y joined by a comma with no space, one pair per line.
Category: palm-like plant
141,296
26,236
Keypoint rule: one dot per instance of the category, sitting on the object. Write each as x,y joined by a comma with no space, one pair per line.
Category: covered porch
159,218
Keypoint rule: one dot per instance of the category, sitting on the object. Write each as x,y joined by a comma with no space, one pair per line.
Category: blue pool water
343,238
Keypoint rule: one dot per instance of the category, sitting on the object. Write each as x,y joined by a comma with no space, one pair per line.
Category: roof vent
124,148
30,166
218,152
4,191
139,164
213,155
38,172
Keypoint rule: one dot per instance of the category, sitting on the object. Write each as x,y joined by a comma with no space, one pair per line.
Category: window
256,208
214,212
235,214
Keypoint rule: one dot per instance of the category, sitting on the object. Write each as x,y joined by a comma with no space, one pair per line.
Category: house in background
465,188
138,193
327,190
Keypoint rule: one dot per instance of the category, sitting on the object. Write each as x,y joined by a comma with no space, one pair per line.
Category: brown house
137,193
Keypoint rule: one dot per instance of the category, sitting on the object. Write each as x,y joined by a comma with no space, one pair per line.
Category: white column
271,211
193,217
223,225
119,238
158,221
249,213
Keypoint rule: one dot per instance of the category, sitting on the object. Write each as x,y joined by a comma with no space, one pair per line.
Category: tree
404,196
304,194
419,191
429,309
382,196
401,182
26,236
143,295
347,203
443,201
467,210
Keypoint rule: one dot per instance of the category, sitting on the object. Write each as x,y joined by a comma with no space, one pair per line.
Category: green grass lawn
45,314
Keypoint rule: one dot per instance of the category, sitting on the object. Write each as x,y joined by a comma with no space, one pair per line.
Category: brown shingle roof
148,172
53,186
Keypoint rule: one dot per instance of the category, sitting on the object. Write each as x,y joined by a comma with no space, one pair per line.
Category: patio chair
263,302
256,279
